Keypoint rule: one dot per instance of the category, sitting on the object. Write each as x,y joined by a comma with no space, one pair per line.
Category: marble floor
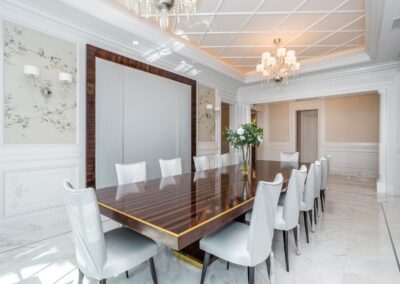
352,244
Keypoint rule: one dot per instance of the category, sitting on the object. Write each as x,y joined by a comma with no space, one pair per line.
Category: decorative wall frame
38,108
93,52
206,117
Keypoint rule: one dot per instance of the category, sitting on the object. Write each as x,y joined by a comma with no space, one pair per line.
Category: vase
246,160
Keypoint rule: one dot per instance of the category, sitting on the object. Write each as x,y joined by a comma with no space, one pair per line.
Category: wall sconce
32,72
211,110
65,80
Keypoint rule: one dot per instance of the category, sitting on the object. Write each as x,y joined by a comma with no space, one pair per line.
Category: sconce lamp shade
64,77
209,106
31,70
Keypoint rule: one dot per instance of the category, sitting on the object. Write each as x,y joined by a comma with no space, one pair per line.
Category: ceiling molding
373,24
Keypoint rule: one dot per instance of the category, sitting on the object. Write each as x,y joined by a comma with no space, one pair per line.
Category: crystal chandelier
162,9
278,68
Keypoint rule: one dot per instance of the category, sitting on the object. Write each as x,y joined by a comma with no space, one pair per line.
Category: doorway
307,135
225,122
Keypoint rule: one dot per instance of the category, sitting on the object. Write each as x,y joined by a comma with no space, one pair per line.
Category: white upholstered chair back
290,157
201,163
131,173
308,196
317,180
171,167
224,160
301,180
84,216
262,220
291,208
324,172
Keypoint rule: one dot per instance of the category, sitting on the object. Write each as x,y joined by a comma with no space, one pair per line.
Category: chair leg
272,267
321,197
205,265
153,270
285,246
268,263
251,274
227,265
311,213
296,234
315,211
306,225
80,279
127,274
104,281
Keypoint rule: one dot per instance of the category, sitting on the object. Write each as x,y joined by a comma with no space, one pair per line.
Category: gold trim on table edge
187,258
172,233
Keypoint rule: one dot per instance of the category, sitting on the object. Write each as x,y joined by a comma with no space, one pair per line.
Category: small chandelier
162,9
279,68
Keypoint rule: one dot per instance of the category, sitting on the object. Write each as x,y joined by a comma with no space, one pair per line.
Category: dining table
179,210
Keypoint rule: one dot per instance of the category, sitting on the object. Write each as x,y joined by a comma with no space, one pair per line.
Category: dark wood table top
180,210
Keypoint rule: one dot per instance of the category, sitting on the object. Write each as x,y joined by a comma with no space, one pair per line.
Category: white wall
384,78
31,175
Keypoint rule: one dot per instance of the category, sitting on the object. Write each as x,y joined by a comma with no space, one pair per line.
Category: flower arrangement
246,136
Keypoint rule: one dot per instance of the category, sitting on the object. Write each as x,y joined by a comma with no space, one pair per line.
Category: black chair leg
205,265
227,265
104,281
295,235
268,263
251,274
127,274
285,246
315,211
80,279
306,225
321,197
153,271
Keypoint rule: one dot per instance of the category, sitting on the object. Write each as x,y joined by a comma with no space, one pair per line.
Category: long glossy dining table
179,210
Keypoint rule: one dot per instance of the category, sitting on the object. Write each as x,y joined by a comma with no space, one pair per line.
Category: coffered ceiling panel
238,31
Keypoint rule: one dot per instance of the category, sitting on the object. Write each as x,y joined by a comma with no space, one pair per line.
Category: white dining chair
131,173
324,179
317,185
171,167
287,216
307,201
103,255
247,245
201,163
290,157
224,160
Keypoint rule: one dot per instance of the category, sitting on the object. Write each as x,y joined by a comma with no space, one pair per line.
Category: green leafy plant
246,136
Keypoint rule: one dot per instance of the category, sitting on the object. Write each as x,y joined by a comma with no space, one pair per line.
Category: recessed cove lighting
135,42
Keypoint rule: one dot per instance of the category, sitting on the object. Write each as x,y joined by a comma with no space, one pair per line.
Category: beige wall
278,122
352,119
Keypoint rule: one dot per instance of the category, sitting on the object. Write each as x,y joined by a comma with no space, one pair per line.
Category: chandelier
162,9
278,68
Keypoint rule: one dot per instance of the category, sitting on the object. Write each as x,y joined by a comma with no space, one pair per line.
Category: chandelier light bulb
291,53
281,52
265,56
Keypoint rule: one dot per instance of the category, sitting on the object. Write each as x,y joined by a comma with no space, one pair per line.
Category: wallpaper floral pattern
40,111
206,118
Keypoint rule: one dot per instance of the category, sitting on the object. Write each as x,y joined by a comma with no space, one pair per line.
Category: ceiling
236,32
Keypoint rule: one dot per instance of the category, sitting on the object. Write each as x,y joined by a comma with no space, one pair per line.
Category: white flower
260,139
242,137
240,131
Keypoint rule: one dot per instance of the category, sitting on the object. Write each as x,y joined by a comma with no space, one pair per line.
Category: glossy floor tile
351,244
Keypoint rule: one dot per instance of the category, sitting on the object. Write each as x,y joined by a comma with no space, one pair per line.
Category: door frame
297,112
300,106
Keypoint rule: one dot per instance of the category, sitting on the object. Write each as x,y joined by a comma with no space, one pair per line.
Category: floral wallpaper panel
206,118
42,110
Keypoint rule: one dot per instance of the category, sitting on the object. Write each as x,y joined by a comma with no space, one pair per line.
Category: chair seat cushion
229,243
248,215
280,223
126,249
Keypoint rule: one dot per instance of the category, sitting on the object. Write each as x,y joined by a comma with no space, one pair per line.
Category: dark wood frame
91,53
